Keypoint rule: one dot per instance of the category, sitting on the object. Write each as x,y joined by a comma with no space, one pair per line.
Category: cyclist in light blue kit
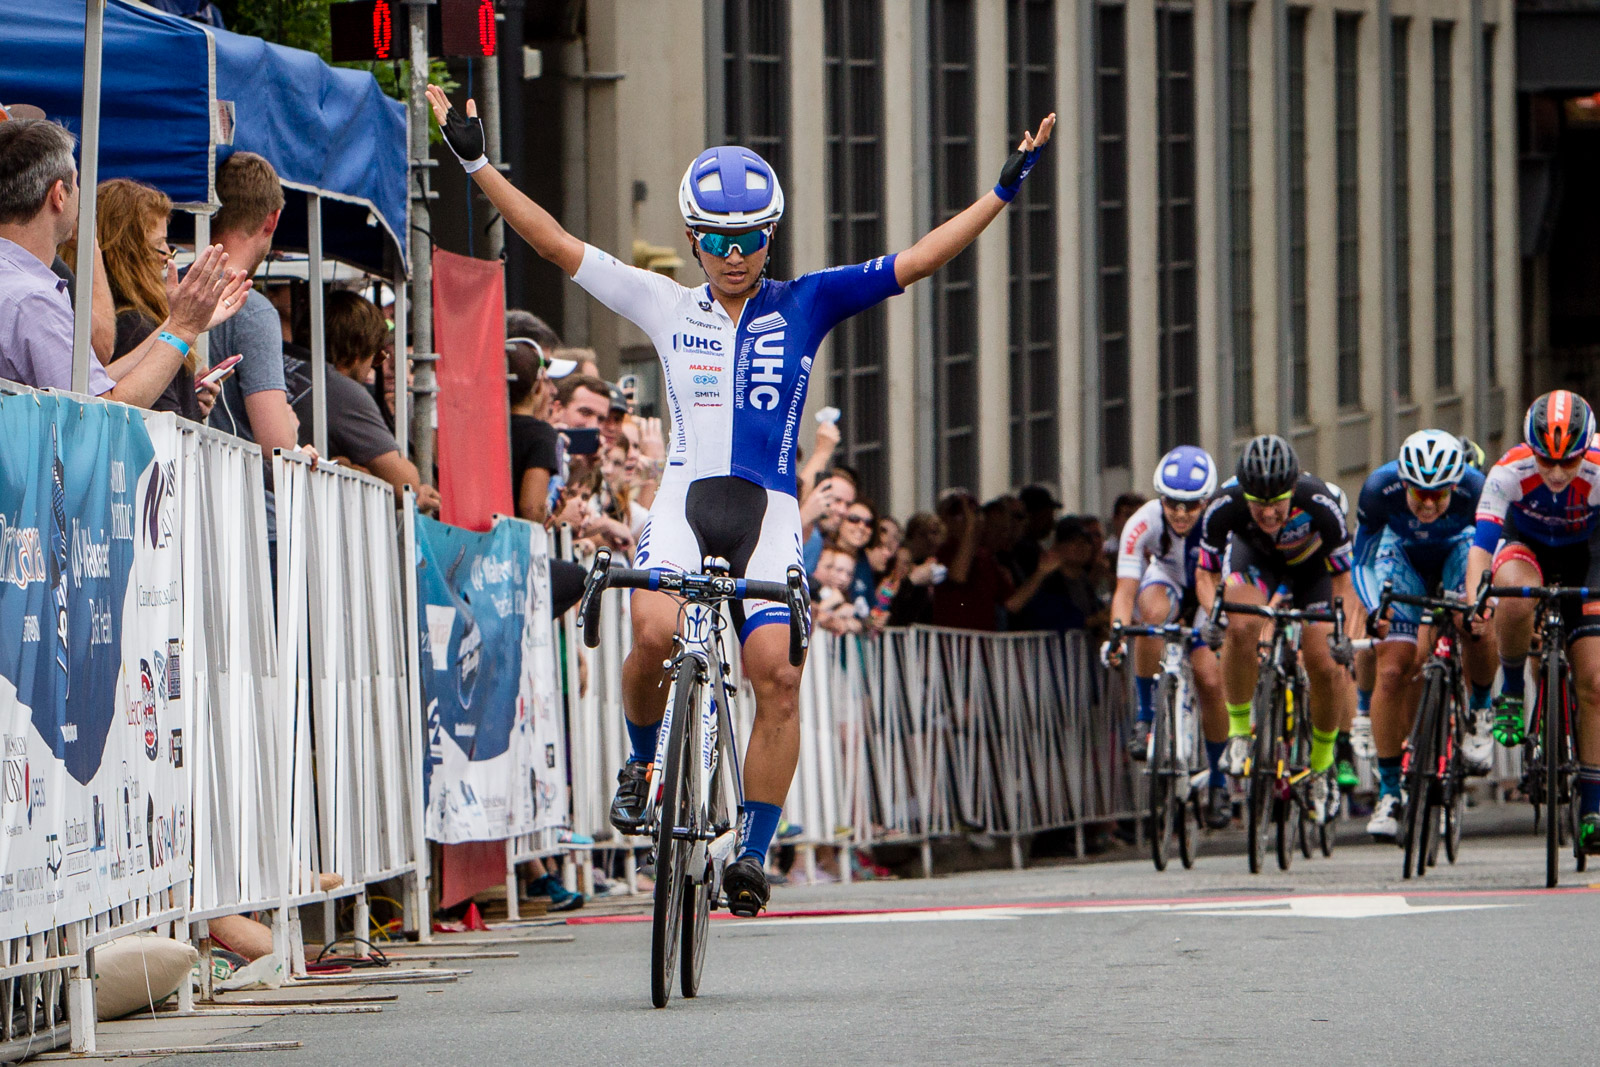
736,356
1414,527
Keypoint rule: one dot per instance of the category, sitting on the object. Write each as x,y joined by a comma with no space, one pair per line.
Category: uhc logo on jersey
774,321
766,366
693,342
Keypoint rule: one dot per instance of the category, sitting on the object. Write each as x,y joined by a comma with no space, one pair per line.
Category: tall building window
1030,95
852,58
955,305
1488,192
1299,377
1444,237
1241,259
1348,208
1401,38
1111,174
755,89
1178,420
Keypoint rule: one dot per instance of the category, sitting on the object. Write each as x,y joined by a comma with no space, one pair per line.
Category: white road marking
1364,906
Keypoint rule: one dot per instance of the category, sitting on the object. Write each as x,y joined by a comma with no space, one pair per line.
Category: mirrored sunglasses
720,244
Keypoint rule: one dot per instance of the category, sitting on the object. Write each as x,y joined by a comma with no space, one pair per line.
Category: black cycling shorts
1574,564
1310,584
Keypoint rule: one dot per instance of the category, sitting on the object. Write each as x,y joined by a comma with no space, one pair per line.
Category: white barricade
236,726
354,732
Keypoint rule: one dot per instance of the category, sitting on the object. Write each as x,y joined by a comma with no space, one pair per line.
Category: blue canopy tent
178,97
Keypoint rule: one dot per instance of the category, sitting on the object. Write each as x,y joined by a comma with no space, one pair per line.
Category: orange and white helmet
1559,426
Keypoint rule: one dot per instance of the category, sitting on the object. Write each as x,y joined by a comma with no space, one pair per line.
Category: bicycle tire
1326,838
1282,820
671,853
1551,737
1307,845
1158,769
1417,781
1259,788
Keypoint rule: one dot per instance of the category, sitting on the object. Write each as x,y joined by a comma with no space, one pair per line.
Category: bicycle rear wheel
672,853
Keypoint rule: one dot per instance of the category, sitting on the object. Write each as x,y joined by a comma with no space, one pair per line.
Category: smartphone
829,414
219,373
582,442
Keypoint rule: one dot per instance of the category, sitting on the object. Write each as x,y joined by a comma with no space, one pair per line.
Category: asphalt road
1334,962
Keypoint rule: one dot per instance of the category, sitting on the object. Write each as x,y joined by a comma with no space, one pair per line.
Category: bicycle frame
699,658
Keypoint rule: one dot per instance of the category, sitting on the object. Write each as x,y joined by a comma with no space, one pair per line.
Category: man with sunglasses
1414,526
1280,535
1540,517
1156,555
736,354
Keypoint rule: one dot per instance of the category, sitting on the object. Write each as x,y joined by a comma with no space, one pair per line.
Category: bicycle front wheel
1159,768
672,852
1554,706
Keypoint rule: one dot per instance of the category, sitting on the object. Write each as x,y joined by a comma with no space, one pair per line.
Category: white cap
560,368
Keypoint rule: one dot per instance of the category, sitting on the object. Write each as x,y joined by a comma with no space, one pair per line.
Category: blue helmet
730,187
1186,473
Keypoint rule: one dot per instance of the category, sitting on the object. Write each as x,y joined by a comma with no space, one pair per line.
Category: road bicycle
1432,767
1550,747
1172,765
1278,773
695,791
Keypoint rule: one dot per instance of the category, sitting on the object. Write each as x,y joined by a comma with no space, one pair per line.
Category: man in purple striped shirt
39,210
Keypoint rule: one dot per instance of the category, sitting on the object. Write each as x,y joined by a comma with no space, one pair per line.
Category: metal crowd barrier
354,733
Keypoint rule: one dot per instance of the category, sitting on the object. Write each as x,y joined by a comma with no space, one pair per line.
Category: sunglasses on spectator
1564,464
1427,496
164,252
1184,506
720,244
1265,500
859,520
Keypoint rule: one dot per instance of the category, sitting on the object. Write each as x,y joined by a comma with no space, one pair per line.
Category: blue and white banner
95,809
495,765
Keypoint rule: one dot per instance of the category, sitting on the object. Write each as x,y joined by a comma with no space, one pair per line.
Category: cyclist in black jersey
1280,536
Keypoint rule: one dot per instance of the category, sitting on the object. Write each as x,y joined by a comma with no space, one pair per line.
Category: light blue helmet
1186,473
731,187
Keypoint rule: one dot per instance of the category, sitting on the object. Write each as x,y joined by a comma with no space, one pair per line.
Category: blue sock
1511,677
1480,696
1363,700
760,823
643,739
1588,789
1146,688
1388,776
1214,751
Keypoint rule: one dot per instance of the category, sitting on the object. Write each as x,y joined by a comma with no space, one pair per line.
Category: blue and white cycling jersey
736,390
1385,525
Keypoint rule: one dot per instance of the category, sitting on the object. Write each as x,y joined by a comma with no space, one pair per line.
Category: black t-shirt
179,396
533,445
1315,532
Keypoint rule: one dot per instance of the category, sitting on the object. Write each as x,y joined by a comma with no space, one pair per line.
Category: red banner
469,333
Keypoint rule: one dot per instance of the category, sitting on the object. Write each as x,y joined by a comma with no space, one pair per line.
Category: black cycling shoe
627,807
1219,807
744,884
1139,741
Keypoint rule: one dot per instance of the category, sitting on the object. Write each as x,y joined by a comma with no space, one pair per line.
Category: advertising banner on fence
96,804
495,765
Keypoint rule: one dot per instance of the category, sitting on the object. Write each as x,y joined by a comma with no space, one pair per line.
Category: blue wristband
175,341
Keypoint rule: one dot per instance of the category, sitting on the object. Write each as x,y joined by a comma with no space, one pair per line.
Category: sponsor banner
469,330
495,765
94,809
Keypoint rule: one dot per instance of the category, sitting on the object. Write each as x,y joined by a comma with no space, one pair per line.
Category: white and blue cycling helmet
1186,473
730,187
1432,459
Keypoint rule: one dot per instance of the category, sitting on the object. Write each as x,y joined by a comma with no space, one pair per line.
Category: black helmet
1474,453
1268,468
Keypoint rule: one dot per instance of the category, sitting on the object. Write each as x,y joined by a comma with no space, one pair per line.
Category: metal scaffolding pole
424,387
88,180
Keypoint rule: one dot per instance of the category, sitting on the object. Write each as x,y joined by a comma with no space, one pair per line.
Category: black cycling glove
465,137
1016,168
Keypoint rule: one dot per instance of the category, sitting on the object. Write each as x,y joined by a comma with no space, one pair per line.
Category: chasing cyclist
1155,584
1414,526
1282,536
736,356
1541,505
